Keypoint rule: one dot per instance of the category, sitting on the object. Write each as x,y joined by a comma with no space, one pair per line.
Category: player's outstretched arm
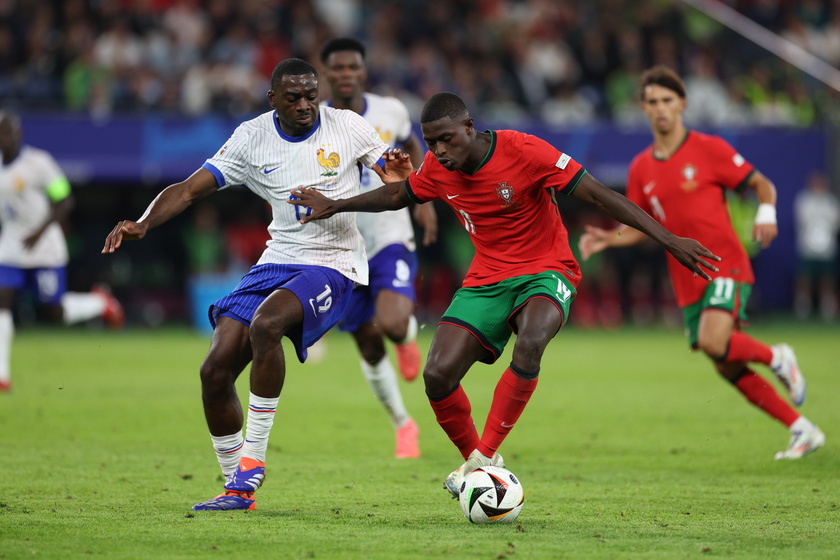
687,251
387,197
171,201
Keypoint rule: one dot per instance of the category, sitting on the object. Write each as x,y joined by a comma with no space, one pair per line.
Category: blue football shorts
323,292
48,284
394,269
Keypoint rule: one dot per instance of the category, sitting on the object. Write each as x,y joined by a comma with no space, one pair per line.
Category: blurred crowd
565,62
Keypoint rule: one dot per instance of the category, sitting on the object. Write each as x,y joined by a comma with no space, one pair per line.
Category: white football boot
787,372
453,482
805,438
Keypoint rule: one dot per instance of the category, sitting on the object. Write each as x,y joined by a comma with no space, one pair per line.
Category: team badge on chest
505,192
689,173
330,163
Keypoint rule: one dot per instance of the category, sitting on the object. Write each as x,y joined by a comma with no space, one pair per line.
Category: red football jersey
508,206
685,193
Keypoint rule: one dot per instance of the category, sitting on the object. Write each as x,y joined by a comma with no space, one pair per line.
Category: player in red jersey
502,185
680,180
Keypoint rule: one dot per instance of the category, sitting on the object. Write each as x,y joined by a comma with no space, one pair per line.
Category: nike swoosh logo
312,304
649,187
267,171
451,196
506,425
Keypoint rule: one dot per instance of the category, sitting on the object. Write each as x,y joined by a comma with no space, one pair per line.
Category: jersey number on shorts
563,291
324,301
724,288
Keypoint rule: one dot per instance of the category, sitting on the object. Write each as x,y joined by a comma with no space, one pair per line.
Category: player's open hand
125,230
318,205
693,256
594,240
397,166
765,234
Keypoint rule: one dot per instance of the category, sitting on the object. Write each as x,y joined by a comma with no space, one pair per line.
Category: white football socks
260,419
383,380
82,306
7,333
228,451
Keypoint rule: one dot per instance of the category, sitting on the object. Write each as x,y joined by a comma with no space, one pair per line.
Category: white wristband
766,214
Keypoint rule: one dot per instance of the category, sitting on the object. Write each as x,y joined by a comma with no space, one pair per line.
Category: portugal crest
689,173
505,192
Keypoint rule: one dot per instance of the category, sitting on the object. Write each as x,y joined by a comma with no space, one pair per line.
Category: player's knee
528,352
438,380
266,330
395,328
712,346
215,378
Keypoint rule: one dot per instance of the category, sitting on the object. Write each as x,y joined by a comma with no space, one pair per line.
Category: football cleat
114,314
228,501
408,360
455,480
408,445
787,372
247,477
5,386
803,442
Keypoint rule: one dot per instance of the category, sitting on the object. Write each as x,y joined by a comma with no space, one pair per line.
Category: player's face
295,99
663,108
345,71
449,140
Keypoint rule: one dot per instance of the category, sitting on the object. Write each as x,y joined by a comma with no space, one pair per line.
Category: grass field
630,449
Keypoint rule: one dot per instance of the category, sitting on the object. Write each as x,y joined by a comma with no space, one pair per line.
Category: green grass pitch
631,448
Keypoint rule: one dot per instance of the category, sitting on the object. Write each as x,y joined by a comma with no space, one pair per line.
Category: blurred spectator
817,214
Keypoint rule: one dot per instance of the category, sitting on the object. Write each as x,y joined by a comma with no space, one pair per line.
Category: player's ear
270,97
469,123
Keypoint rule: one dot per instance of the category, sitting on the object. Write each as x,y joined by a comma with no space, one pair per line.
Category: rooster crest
329,163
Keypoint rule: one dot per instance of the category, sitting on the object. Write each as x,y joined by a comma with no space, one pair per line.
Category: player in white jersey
301,284
385,307
34,198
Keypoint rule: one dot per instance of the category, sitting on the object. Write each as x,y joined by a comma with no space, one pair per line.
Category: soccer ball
491,495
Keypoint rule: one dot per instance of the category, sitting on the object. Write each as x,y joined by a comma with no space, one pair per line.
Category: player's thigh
278,313
714,330
12,280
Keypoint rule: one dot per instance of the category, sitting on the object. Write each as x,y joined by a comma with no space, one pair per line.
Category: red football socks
744,348
759,392
454,414
509,399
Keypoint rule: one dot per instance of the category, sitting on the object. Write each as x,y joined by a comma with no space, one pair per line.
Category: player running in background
503,186
301,285
680,181
35,198
386,305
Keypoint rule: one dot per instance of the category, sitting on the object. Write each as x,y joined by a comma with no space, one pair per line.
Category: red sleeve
549,167
419,186
730,168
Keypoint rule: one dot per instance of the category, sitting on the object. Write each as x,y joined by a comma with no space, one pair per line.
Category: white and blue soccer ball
491,495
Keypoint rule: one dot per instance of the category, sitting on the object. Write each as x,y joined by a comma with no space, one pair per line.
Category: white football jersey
25,206
391,120
270,163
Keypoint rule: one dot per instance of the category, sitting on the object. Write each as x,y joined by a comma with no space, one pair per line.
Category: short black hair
291,67
342,44
661,75
442,105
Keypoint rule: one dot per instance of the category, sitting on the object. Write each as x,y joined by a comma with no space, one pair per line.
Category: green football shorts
488,311
721,293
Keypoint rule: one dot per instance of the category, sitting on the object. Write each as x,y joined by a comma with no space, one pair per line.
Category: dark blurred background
132,95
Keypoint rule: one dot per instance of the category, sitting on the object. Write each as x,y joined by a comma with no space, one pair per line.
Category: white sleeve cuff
766,214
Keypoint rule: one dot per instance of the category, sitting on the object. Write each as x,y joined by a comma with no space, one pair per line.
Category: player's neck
666,143
481,146
355,103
